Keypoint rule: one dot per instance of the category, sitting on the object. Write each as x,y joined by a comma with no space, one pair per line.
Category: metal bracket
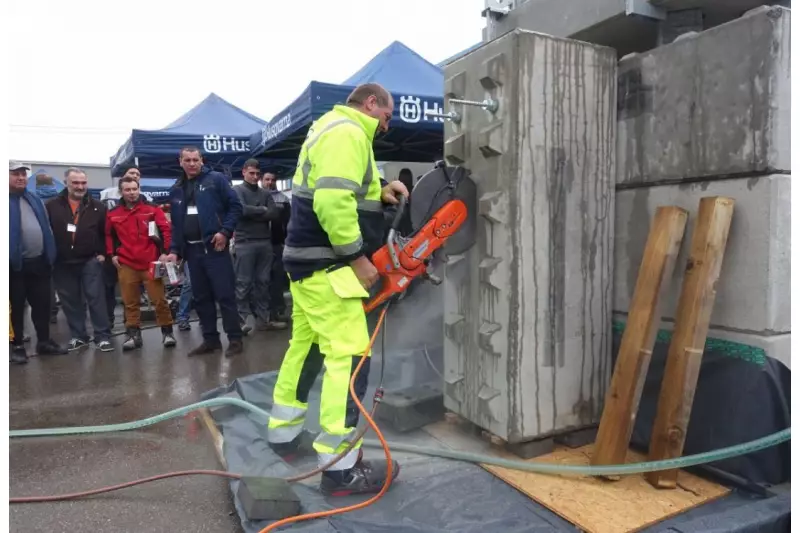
497,8
644,8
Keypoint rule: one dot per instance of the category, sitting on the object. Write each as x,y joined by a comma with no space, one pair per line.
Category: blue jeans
80,286
185,303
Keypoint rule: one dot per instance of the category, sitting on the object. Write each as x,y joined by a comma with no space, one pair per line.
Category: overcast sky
97,69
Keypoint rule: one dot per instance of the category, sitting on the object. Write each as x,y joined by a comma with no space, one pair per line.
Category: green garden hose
543,468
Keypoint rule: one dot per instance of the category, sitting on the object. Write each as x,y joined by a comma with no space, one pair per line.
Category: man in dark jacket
205,210
254,254
279,281
79,227
32,252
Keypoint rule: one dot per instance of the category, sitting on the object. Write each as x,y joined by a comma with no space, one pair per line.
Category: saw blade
436,188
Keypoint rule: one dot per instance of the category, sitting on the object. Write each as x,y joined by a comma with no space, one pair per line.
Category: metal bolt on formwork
451,116
488,104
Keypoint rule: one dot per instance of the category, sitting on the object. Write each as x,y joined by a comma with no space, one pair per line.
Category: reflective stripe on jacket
337,214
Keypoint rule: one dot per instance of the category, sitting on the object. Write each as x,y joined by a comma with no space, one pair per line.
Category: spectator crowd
219,247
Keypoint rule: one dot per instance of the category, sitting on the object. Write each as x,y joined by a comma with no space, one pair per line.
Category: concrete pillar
528,309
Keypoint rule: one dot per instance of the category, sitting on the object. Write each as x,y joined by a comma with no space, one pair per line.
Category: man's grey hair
73,170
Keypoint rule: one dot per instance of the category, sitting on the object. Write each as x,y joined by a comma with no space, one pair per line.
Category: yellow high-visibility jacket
337,213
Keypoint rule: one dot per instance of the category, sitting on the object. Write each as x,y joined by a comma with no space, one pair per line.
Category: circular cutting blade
436,188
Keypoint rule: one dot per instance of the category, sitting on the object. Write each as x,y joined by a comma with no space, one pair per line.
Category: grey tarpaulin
437,495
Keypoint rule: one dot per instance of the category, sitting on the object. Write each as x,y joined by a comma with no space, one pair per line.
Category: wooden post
644,317
692,320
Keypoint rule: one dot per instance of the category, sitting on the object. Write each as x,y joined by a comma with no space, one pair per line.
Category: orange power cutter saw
442,208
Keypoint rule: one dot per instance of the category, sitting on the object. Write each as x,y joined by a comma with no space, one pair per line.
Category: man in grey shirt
32,252
253,251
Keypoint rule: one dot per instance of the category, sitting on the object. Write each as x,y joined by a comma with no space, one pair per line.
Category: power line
76,129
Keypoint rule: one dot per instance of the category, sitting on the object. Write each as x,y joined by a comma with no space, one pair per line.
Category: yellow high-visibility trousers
329,327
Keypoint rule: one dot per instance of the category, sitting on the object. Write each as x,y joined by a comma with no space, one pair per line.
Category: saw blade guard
437,187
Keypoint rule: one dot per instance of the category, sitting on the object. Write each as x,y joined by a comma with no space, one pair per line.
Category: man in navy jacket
205,210
32,252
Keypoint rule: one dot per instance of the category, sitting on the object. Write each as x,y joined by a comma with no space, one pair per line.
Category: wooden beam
644,318
692,320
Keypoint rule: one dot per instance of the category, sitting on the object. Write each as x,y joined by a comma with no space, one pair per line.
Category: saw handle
401,208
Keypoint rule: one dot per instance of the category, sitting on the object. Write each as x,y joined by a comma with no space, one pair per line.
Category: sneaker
133,339
50,348
104,346
19,356
272,325
247,327
184,325
205,348
235,347
168,339
76,344
365,477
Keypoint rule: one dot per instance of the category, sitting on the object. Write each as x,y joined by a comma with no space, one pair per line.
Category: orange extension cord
220,473
374,426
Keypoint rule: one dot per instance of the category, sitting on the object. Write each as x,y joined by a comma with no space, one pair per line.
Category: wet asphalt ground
90,387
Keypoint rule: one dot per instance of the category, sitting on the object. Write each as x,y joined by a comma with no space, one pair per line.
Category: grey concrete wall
753,291
714,104
709,115
528,308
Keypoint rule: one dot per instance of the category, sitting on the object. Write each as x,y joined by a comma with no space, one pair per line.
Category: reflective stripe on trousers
327,310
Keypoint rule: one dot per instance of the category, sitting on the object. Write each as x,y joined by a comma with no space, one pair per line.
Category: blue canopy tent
417,86
220,129
155,188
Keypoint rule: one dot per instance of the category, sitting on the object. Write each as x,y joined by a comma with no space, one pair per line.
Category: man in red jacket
133,244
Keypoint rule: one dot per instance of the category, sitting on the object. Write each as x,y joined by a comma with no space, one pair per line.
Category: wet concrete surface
90,387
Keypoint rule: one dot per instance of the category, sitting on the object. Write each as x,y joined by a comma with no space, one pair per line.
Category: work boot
365,477
235,347
301,446
206,348
133,339
50,348
168,338
19,356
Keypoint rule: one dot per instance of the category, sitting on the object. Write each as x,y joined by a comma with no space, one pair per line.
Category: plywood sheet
599,506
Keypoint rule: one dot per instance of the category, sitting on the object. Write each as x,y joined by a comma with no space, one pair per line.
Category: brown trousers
129,282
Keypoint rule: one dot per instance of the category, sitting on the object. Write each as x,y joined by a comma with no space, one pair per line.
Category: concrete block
531,449
753,293
527,309
411,408
603,22
716,104
265,498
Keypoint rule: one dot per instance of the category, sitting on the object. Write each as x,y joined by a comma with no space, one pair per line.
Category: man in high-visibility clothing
336,224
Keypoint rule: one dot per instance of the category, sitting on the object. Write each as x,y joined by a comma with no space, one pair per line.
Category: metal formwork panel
528,308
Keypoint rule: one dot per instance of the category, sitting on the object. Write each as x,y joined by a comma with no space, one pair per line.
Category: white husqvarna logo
410,109
212,144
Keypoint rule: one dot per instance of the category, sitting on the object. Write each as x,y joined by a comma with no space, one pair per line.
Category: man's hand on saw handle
365,271
390,192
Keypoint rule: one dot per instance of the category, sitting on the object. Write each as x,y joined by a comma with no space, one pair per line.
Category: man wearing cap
32,254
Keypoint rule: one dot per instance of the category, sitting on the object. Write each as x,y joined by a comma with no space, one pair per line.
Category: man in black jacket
78,222
278,281
254,254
